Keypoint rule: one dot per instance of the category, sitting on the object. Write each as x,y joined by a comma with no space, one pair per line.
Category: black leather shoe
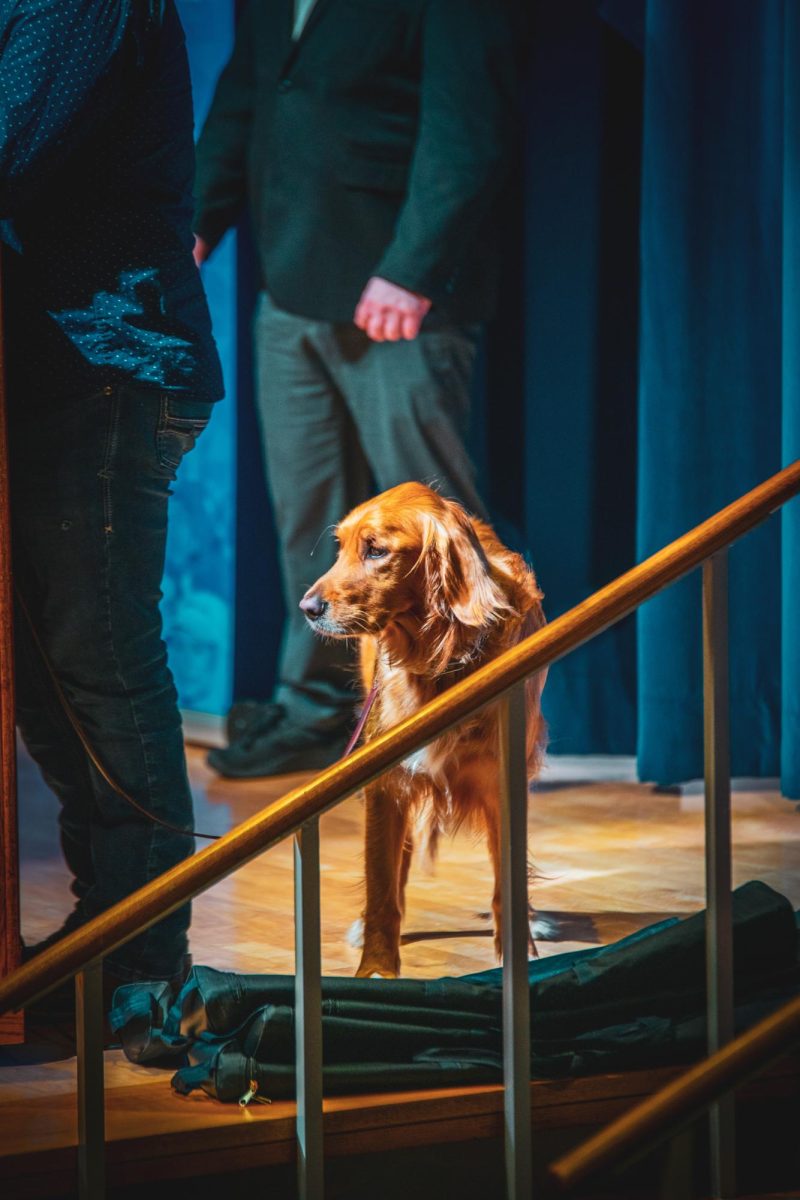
248,717
283,748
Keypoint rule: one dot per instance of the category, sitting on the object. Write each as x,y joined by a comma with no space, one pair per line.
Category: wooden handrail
681,1100
610,604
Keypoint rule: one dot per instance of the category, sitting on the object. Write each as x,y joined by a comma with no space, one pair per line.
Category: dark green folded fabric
231,1074
637,1003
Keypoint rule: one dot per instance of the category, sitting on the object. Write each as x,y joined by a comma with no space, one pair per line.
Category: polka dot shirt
96,172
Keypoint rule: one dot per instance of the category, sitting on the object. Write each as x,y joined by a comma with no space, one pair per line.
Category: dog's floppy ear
462,596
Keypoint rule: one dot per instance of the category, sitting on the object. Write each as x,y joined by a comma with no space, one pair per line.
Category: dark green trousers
342,416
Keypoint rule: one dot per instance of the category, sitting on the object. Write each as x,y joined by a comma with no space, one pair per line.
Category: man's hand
387,312
201,250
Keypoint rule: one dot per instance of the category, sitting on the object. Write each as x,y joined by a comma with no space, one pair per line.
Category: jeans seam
106,473
111,449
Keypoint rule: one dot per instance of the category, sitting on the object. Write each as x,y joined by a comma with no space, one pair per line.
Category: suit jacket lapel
313,17
296,47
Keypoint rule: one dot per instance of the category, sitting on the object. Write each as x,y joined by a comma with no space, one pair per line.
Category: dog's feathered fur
431,594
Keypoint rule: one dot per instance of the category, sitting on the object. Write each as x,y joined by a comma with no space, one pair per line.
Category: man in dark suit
370,139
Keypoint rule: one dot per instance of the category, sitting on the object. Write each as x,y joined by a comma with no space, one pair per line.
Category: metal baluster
89,1016
516,993
719,930
308,1013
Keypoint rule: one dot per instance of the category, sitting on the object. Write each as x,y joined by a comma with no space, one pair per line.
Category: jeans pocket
180,425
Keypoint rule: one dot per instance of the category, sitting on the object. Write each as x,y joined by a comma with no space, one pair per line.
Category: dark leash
362,720
120,791
98,765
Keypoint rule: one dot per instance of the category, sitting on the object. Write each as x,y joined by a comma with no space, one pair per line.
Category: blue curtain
715,417
198,604
579,238
660,243
790,432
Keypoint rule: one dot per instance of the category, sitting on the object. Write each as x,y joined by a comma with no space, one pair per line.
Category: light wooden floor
612,856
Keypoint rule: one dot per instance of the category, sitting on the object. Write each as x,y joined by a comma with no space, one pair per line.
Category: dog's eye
375,552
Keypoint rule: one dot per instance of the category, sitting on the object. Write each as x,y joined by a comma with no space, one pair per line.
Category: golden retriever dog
431,594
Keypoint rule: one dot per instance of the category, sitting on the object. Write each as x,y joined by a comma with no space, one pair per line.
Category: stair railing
297,813
661,1115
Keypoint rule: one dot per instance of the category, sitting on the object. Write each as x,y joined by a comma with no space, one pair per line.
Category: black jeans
90,480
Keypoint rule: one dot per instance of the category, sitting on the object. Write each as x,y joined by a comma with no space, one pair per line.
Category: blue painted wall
198,604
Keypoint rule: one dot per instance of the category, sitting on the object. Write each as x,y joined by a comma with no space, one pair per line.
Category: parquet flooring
611,856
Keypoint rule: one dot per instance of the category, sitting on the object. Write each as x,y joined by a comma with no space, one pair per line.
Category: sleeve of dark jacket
466,132
59,64
221,166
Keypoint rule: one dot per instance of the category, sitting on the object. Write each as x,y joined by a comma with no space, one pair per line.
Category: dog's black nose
313,605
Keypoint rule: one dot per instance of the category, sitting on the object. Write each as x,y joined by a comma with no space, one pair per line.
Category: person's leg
410,402
90,482
54,746
316,473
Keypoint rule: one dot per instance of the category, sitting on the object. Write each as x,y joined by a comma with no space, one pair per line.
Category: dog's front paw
371,971
379,961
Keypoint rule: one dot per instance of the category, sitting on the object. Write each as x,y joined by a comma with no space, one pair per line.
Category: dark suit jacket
374,145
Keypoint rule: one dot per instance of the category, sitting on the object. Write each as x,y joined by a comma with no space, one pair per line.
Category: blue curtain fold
199,576
580,244
790,429
711,394
662,293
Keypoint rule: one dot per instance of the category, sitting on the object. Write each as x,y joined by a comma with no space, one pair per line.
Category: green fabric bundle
637,1003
